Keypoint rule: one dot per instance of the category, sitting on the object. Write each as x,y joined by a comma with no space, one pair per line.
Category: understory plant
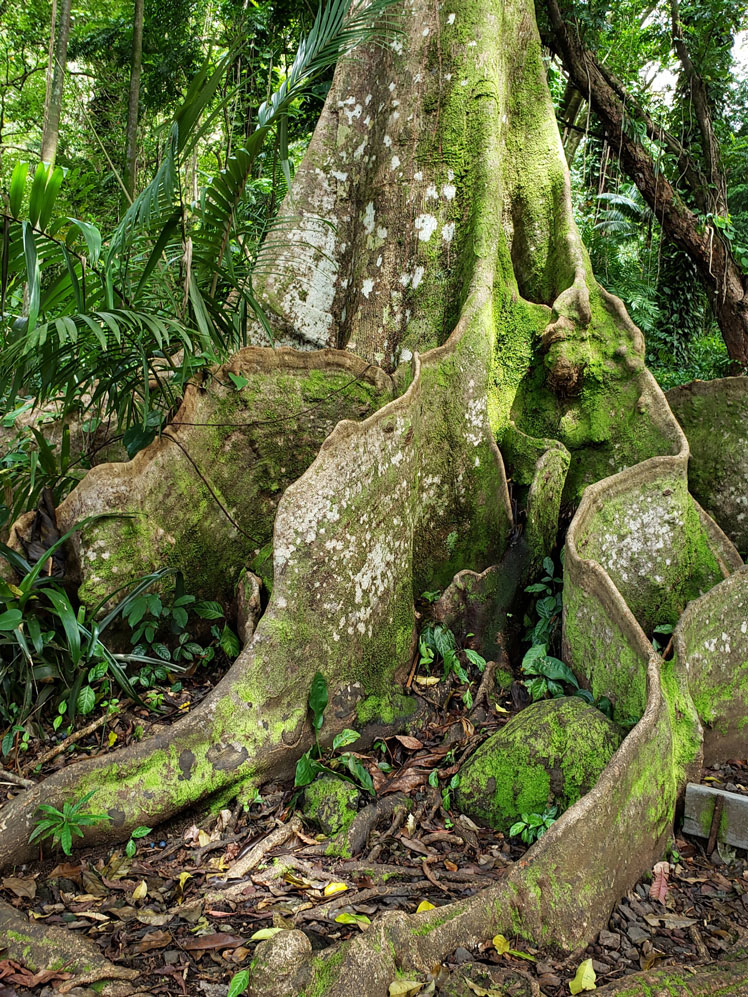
438,643
343,764
52,653
62,825
532,826
546,674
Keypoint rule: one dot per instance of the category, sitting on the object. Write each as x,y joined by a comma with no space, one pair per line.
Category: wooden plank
699,810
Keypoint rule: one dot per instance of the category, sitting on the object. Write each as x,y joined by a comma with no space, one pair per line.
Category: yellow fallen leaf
424,905
332,888
405,988
183,877
500,709
585,978
427,679
500,944
203,838
140,891
112,737
263,933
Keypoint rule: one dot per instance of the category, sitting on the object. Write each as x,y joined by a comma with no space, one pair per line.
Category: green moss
386,708
326,970
552,752
331,803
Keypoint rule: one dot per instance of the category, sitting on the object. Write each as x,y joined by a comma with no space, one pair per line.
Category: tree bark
725,282
728,978
136,69
51,127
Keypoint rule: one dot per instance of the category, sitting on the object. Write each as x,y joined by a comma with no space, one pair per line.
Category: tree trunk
725,282
50,62
136,68
51,126
452,266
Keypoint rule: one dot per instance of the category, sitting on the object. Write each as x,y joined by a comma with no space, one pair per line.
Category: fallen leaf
427,680
217,940
424,905
585,978
405,988
66,870
203,838
154,940
183,877
450,866
669,921
264,933
20,887
481,991
659,888
150,917
112,738
332,888
409,742
360,919
140,891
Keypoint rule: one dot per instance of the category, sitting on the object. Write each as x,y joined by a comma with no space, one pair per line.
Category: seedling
532,827
61,825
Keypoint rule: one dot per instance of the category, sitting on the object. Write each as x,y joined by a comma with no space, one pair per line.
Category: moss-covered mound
331,804
552,752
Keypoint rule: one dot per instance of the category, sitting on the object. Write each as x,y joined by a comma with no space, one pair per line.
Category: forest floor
149,911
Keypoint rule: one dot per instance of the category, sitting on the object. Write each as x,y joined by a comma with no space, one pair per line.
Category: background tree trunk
725,282
51,127
136,69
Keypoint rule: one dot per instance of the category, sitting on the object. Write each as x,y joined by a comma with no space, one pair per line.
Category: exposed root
257,853
39,947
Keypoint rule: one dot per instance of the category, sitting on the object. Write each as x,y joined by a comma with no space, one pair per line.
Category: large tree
443,323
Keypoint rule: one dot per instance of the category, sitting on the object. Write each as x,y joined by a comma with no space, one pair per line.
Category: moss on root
551,752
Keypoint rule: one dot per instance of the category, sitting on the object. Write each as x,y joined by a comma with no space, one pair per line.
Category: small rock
601,968
636,934
461,955
549,980
610,940
543,968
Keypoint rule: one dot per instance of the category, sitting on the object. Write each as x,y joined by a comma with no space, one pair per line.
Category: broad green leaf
209,610
239,380
229,642
585,978
37,192
11,619
306,770
17,188
33,276
318,699
140,832
239,983
86,700
344,738
49,196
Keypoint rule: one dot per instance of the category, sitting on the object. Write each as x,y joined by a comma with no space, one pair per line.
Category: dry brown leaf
20,887
66,870
217,940
154,940
409,742
659,888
